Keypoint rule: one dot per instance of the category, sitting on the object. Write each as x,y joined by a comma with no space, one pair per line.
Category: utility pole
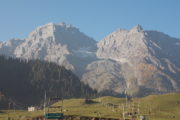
123,113
138,109
133,108
45,104
14,107
62,106
126,97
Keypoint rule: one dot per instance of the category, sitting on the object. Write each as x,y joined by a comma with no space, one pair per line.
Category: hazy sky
96,18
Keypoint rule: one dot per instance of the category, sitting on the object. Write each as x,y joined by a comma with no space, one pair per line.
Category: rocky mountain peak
61,33
123,44
51,28
137,28
58,43
146,60
125,60
63,24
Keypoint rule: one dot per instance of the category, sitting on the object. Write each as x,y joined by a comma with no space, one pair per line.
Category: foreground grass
97,109
155,107
163,107
18,114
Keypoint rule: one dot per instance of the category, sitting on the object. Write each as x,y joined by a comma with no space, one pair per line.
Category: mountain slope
57,43
136,61
147,59
7,48
25,82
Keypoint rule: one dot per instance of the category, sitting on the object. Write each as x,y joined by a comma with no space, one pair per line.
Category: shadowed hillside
25,81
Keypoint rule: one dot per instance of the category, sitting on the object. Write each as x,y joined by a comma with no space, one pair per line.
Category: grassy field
154,107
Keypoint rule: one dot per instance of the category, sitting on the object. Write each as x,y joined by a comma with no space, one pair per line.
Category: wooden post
132,107
123,113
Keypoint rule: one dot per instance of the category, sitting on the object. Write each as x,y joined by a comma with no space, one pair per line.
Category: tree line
26,81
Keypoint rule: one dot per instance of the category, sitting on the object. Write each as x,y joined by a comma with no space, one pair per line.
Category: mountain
7,48
25,82
59,43
136,62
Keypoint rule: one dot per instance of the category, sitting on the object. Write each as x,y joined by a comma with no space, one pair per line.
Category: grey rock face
105,75
136,61
7,48
146,61
123,45
57,43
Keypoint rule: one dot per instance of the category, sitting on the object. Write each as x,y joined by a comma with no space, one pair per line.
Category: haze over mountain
135,61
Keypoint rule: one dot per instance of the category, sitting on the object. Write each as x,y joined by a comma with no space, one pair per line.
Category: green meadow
153,107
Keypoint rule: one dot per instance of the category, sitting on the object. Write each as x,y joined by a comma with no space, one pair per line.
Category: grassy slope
78,107
166,107
156,107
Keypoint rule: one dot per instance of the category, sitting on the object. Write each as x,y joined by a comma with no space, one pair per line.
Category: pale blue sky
96,18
